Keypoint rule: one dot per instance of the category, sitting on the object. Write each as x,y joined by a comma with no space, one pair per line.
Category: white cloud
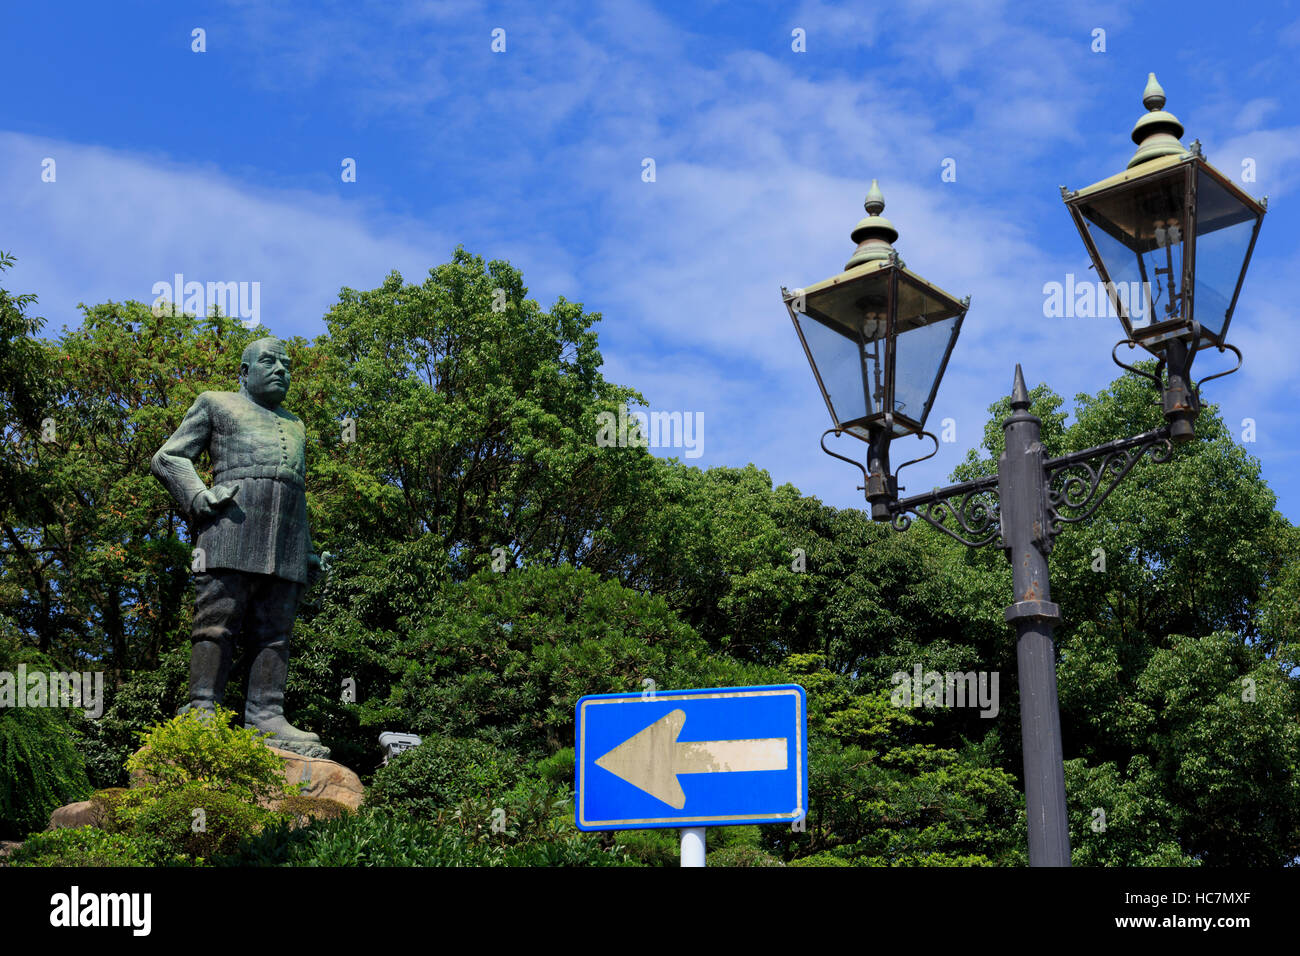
114,223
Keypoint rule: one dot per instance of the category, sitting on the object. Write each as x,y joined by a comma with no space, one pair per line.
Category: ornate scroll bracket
972,507
1076,486
1080,482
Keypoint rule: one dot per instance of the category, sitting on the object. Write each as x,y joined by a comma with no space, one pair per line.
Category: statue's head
264,372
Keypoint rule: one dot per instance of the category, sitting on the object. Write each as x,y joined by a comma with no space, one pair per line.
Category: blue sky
225,166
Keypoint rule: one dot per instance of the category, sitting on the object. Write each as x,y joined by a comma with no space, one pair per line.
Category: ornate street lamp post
879,337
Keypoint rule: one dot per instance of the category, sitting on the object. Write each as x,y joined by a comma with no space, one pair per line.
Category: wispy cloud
113,223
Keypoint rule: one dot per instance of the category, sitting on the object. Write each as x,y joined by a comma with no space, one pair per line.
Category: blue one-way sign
691,758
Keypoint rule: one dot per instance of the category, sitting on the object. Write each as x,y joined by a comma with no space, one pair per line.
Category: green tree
1176,649
96,567
476,416
505,657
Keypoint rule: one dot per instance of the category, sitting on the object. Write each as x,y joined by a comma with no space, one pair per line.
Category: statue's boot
265,707
209,669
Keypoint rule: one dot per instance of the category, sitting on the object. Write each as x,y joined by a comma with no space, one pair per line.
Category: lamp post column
1027,538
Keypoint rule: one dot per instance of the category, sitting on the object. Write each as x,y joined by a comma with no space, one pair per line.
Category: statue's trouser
261,608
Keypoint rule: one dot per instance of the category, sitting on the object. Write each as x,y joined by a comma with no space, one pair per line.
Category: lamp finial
1156,132
1153,97
875,234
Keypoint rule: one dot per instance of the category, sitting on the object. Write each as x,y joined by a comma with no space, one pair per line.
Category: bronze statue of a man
251,527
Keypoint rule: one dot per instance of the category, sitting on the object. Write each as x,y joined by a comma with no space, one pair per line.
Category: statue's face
267,379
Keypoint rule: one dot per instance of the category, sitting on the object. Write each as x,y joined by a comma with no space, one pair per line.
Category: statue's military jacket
263,529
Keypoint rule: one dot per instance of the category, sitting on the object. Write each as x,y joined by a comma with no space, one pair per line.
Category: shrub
369,838
722,837
820,859
40,769
556,769
276,844
204,749
389,840
742,855
300,809
84,846
651,847
196,823
107,801
439,774
577,849
381,838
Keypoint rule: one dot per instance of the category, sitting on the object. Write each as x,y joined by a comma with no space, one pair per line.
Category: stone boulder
81,814
93,812
323,778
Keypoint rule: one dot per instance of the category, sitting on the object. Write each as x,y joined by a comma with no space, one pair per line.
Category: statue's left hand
317,565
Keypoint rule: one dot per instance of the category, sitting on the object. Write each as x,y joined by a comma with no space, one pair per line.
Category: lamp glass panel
847,322
926,322
1224,226
919,353
839,359
1140,234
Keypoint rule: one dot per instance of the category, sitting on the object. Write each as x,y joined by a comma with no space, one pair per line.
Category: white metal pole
693,846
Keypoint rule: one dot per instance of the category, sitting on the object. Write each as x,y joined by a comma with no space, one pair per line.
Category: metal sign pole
693,846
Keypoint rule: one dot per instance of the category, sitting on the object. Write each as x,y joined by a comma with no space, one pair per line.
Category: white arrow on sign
651,759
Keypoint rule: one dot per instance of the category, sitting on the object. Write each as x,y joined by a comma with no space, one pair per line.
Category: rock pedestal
324,779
